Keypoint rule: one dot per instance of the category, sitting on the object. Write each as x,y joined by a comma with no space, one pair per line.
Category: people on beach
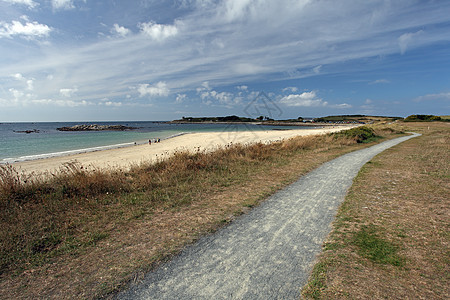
158,140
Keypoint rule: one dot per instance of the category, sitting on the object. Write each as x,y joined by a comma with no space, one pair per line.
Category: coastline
132,154
26,158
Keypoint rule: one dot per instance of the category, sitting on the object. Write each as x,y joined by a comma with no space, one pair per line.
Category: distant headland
264,120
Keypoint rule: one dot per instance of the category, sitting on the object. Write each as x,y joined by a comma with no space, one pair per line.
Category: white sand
125,157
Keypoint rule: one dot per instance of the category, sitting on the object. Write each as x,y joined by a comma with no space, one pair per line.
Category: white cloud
405,40
16,93
434,97
242,87
29,30
29,3
291,89
30,84
317,69
159,89
306,99
210,96
62,103
248,69
342,105
113,104
378,81
63,4
120,30
180,98
158,32
68,92
18,76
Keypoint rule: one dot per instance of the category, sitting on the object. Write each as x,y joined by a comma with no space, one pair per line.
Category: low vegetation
84,232
422,118
390,238
356,118
361,134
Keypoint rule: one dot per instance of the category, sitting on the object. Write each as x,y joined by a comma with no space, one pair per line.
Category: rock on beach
95,127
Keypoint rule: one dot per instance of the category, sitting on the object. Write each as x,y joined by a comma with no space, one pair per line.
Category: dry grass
86,233
391,236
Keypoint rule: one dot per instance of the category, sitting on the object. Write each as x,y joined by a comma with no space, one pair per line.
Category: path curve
267,253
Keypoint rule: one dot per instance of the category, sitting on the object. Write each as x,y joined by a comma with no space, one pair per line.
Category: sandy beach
128,156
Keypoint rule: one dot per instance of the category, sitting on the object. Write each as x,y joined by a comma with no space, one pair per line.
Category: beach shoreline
134,154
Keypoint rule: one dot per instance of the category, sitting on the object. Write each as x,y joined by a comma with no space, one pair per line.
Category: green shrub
422,118
360,134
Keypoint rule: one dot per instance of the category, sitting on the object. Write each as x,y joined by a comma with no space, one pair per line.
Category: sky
120,60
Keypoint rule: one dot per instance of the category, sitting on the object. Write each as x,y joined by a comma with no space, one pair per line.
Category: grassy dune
85,234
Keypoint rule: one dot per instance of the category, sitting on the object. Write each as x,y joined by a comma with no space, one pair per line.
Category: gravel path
267,253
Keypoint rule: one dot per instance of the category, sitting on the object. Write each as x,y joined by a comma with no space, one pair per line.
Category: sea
43,140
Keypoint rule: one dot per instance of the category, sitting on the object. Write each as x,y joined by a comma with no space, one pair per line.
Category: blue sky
81,60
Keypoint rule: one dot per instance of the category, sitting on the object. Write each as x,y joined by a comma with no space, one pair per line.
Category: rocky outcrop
95,127
27,131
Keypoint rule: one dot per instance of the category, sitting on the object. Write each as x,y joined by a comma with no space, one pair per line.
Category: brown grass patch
86,233
402,197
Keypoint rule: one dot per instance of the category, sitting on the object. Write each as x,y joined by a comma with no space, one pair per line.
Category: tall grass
46,216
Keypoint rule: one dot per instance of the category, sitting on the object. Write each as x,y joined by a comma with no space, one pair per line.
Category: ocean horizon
43,140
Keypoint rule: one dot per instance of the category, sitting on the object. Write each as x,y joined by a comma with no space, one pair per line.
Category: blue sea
47,141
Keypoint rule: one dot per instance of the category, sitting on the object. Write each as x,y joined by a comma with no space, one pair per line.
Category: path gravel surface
267,253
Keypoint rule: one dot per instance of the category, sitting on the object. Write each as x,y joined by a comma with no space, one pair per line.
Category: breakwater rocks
95,127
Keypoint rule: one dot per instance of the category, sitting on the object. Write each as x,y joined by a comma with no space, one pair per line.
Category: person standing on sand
149,142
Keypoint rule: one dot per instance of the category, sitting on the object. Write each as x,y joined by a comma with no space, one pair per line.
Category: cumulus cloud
18,76
405,40
222,98
210,96
68,92
29,30
62,4
306,99
16,93
113,104
158,32
120,30
159,89
29,82
180,98
29,3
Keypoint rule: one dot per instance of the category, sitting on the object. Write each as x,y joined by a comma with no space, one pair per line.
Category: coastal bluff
95,127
